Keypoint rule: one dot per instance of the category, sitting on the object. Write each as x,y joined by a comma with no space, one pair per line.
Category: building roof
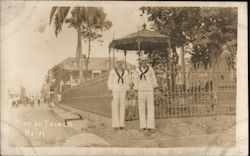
95,63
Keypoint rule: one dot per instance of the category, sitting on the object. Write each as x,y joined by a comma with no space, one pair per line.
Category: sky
29,46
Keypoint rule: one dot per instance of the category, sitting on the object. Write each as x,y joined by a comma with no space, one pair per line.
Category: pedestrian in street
59,98
9,102
32,103
118,83
145,83
38,101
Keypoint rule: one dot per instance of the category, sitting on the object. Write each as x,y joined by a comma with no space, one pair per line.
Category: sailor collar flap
120,77
143,73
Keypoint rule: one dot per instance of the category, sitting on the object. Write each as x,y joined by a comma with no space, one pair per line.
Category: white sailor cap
144,57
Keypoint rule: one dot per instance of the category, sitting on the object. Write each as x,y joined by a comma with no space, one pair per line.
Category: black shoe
151,130
121,128
143,129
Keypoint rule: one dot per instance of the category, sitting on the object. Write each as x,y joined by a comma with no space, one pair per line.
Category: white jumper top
118,81
145,79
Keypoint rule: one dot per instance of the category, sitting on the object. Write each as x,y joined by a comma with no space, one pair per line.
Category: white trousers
118,109
146,109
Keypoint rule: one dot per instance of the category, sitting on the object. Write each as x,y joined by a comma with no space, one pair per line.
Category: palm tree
76,20
89,22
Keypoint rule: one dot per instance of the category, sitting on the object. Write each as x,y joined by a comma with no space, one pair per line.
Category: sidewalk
83,136
173,132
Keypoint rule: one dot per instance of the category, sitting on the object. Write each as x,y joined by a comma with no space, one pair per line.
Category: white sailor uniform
145,83
118,82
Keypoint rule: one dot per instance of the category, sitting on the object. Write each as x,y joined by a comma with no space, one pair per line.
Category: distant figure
10,101
131,110
224,62
55,99
59,96
32,103
38,101
15,101
225,58
131,95
118,83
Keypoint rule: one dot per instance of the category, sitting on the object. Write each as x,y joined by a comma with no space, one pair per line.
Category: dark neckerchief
143,73
120,77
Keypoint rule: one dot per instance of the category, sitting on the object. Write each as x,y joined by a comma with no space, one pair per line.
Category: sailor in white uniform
145,83
118,83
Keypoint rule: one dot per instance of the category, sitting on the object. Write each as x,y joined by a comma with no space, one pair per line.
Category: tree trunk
173,68
79,55
87,59
183,65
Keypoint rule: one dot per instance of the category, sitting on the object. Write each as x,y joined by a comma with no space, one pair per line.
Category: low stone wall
92,96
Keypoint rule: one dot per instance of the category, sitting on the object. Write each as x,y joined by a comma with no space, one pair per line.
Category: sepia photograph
124,78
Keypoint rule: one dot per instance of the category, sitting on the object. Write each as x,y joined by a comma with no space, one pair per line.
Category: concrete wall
92,96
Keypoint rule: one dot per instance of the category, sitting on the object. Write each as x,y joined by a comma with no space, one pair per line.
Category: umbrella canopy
142,40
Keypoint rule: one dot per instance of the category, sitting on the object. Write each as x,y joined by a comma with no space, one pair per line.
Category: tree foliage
75,20
206,28
59,14
59,74
218,27
89,22
92,29
177,23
